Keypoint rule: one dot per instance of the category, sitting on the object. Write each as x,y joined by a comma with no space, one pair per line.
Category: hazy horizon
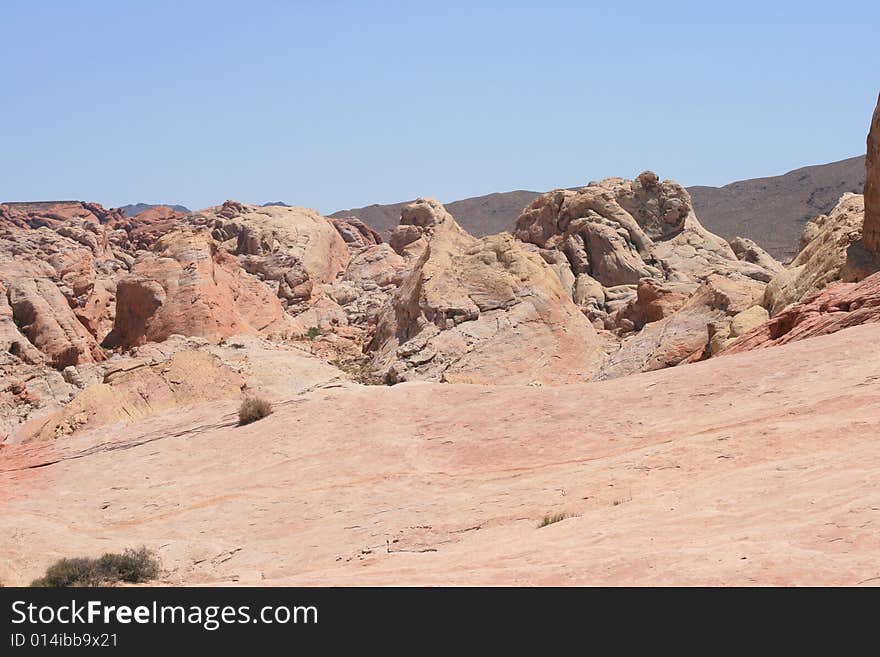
341,105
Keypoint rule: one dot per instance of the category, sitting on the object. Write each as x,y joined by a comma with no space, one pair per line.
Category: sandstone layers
753,469
828,311
599,282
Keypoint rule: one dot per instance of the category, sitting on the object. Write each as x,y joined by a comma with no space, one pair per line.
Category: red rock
653,302
44,316
189,286
833,309
145,228
54,213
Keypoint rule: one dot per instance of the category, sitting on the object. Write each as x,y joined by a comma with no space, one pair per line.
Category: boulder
684,335
12,341
747,251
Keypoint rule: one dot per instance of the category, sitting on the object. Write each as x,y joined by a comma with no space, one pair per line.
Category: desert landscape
595,388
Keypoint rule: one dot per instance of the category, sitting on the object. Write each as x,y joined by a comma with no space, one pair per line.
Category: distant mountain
281,203
772,211
137,208
479,215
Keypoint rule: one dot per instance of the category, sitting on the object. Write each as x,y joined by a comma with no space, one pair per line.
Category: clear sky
340,104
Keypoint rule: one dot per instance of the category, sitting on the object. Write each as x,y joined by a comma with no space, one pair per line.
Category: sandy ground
758,468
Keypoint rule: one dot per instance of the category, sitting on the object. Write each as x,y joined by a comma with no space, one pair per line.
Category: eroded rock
479,311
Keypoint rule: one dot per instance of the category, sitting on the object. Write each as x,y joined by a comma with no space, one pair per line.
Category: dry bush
551,518
253,409
132,566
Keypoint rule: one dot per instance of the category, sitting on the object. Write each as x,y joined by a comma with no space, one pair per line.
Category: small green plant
253,409
132,566
551,518
313,333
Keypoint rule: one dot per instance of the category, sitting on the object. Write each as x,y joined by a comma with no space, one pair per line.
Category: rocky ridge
595,283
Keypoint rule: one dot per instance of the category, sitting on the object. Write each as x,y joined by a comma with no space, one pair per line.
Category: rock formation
132,389
634,257
872,187
833,309
189,286
478,310
822,257
296,250
685,334
43,316
356,233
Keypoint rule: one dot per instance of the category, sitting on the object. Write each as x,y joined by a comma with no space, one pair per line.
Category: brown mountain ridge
772,211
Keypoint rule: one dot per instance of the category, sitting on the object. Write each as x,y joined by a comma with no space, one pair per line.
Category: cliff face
871,231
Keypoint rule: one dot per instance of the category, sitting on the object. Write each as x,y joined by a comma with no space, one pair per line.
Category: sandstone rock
653,302
619,232
145,228
747,320
770,456
371,277
832,309
12,341
685,335
45,318
483,310
747,251
822,258
417,222
53,214
722,334
98,310
189,286
355,233
296,249
872,187
132,389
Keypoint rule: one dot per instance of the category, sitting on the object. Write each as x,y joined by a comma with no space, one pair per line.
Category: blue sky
340,104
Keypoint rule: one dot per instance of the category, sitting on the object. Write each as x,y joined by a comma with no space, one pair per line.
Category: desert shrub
550,518
132,566
313,333
253,409
361,370
79,571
